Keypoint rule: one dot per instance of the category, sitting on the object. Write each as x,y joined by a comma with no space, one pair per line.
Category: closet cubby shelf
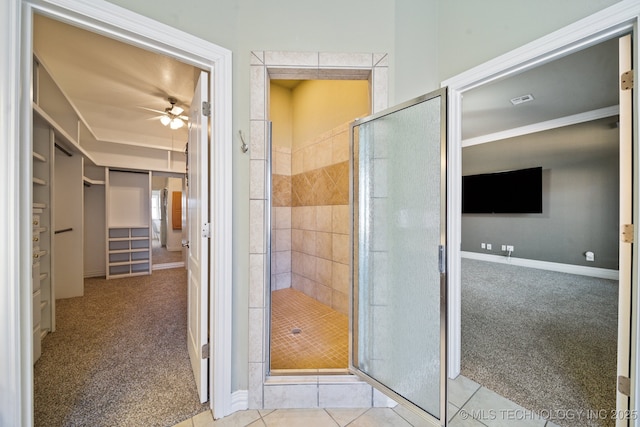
39,157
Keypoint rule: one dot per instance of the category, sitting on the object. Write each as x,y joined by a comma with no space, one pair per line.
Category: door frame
616,20
121,24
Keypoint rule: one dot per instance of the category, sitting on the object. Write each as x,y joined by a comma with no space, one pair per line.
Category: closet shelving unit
43,289
55,127
128,202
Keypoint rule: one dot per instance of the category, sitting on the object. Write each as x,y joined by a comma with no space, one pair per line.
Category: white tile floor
470,405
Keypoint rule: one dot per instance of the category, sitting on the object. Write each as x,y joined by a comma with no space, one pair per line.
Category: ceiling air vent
522,99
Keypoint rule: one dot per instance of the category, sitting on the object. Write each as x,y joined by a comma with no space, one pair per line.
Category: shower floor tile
323,338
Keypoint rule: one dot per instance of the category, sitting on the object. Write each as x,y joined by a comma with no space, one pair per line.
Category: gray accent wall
580,196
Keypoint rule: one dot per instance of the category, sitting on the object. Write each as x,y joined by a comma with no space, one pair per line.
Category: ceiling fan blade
176,111
152,110
184,118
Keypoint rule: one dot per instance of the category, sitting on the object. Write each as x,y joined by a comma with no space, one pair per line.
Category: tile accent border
299,391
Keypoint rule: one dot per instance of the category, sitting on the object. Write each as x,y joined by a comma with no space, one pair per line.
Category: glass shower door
399,285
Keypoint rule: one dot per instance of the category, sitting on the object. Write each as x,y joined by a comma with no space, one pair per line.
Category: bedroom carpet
542,339
118,356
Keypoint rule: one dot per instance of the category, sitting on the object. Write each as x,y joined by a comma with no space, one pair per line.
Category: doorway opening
167,206
118,24
266,390
555,304
310,232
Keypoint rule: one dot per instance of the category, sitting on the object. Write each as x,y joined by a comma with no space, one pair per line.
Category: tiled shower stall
301,391
310,226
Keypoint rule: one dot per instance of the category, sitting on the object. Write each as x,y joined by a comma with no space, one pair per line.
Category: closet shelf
37,205
126,251
39,157
39,181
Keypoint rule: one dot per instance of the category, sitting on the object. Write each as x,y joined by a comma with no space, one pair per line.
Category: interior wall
580,196
471,33
322,105
68,214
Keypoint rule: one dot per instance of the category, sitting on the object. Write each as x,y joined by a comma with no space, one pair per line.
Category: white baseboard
95,273
602,273
167,265
239,400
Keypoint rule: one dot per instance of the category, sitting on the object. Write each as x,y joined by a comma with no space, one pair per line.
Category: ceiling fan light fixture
176,123
165,120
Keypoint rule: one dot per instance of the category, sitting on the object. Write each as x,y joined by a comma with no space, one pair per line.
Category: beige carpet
542,339
119,356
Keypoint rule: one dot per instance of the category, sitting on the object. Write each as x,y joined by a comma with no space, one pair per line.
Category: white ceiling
582,82
113,84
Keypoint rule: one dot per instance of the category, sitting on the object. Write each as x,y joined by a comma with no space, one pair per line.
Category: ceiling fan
172,115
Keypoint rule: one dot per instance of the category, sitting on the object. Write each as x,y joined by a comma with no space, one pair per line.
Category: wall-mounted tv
511,192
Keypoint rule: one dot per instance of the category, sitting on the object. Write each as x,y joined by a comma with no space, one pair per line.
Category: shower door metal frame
442,261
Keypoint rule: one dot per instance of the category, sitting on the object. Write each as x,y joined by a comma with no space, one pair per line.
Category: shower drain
296,331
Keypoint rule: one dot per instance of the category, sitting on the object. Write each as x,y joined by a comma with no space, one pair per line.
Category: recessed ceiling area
119,90
583,81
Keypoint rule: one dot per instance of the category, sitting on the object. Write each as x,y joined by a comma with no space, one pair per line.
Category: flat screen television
511,192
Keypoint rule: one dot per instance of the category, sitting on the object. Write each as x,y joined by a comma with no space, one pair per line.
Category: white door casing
198,238
625,251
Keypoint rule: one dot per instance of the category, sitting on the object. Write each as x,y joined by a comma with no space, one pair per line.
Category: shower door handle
185,243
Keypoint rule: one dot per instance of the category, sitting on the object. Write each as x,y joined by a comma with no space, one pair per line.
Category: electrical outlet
488,246
504,247
509,248
483,245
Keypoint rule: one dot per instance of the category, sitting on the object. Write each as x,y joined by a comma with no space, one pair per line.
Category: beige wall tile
297,240
309,242
341,250
296,216
323,294
340,219
256,323
256,280
324,245
380,83
256,180
309,266
281,163
308,218
256,142
340,147
282,217
324,153
323,271
308,158
340,302
324,218
290,396
352,60
258,99
281,281
282,240
291,59
297,162
256,378
282,262
297,282
340,277
256,226
297,265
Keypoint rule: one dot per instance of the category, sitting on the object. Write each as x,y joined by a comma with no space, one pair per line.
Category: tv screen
516,191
